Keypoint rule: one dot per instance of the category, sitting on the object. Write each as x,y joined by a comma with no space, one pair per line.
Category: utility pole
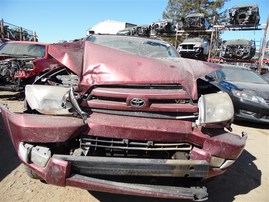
263,46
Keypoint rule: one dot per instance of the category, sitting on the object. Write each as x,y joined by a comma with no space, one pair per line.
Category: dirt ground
247,180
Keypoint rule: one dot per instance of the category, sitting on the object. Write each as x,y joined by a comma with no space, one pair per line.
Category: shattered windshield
138,46
22,49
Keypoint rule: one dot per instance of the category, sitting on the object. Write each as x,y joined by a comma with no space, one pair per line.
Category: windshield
21,49
138,46
241,75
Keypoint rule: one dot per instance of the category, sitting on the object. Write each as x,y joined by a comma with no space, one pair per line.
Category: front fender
41,128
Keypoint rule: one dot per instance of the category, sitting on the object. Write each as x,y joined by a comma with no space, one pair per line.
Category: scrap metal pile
9,68
245,15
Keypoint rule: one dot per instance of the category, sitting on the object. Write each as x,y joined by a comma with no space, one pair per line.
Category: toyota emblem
137,102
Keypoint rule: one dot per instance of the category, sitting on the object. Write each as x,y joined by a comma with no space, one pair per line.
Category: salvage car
22,61
194,48
139,30
115,119
195,21
248,90
238,49
164,26
244,15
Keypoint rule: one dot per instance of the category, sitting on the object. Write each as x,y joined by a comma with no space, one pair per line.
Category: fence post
2,29
21,34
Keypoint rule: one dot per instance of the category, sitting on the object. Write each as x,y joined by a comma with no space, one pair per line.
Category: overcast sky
55,20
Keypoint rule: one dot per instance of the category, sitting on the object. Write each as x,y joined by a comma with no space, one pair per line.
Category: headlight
248,95
47,99
215,108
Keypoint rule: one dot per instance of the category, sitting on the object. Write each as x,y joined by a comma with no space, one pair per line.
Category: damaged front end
238,49
21,62
195,21
114,129
167,26
244,15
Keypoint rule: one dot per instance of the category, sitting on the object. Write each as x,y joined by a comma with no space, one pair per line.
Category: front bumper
89,183
78,171
86,165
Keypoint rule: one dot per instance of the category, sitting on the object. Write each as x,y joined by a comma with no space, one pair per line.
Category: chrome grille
154,101
189,46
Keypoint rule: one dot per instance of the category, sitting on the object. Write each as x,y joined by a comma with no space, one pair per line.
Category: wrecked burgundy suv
120,112
21,62
244,15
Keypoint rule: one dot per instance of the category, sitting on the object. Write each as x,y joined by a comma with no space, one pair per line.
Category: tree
176,9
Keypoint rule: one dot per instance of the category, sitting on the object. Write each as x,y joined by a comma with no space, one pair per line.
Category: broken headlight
50,100
215,108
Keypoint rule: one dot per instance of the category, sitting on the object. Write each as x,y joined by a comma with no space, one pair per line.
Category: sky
57,20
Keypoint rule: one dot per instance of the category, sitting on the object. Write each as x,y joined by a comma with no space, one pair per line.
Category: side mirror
209,78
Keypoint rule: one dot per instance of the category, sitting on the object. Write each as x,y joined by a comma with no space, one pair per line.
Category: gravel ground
247,179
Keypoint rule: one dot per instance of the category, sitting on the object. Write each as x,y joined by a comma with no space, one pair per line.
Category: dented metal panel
102,65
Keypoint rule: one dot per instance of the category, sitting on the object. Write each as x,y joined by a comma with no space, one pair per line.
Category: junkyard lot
247,180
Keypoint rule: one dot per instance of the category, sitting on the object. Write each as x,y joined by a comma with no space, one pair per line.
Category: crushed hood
99,65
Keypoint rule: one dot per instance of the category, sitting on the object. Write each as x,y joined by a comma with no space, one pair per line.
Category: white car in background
194,48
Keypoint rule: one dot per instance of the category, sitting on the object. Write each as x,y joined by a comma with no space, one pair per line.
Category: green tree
176,9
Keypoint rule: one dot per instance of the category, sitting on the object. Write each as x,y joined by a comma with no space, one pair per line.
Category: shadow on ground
12,96
104,197
8,156
252,124
240,179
